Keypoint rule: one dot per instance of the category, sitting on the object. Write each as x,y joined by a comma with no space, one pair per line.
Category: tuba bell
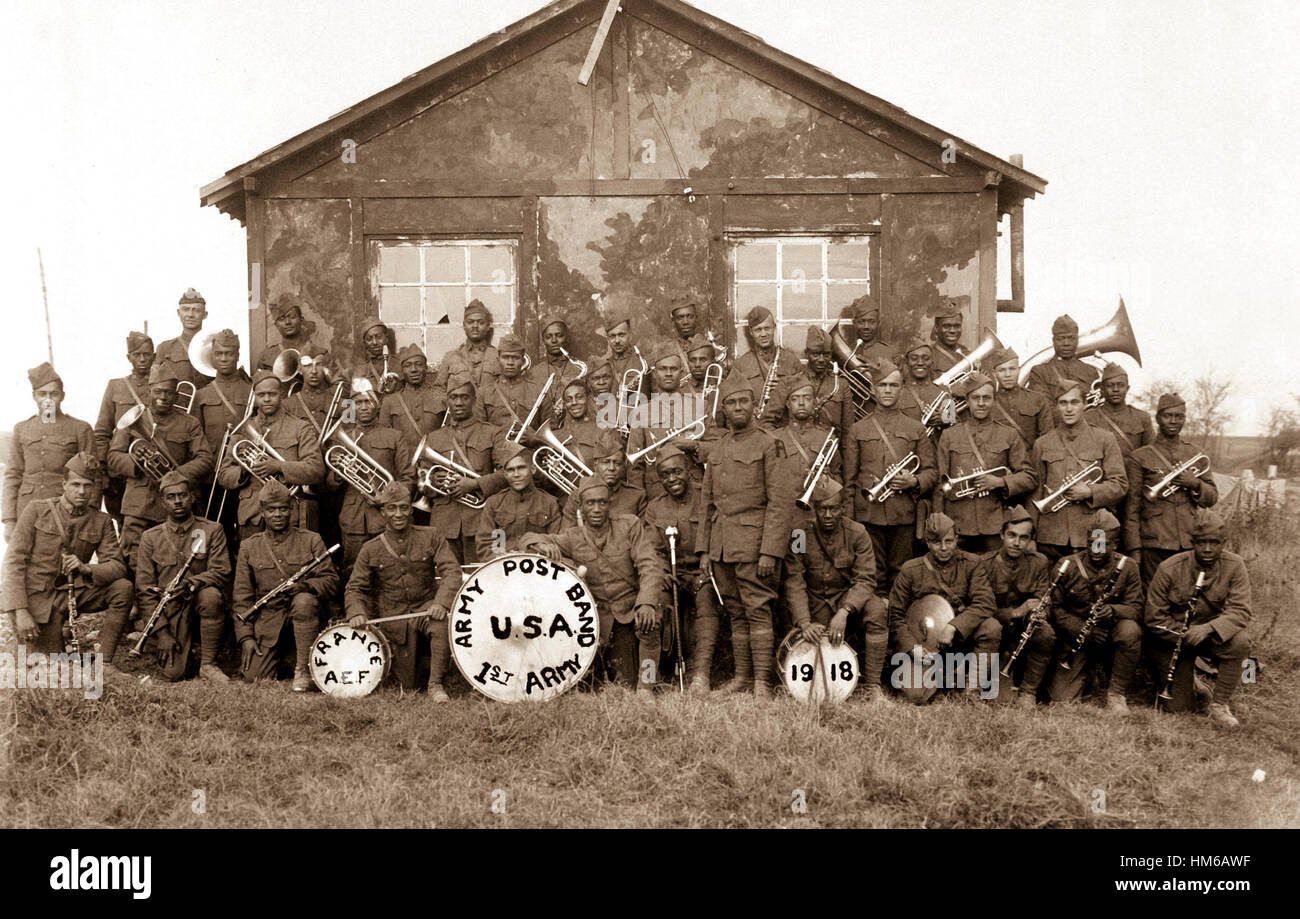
1115,336
287,366
200,354
968,364
557,462
856,371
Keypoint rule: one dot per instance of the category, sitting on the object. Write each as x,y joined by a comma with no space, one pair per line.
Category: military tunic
424,406
1130,425
507,402
1061,453
867,458
623,499
514,514
755,369
300,342
963,583
1015,582
37,454
915,400
1030,413
1043,378
482,364
834,571
120,396
1162,527
969,446
359,517
946,358
175,351
297,442
1120,628
476,445
221,403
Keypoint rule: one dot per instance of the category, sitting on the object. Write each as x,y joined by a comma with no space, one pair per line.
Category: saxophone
769,384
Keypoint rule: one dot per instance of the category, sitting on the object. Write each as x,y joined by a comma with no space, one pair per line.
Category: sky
1165,129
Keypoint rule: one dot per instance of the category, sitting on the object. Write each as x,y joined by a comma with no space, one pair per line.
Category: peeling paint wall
308,252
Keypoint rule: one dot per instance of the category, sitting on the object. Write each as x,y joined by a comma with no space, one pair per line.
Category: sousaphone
1116,336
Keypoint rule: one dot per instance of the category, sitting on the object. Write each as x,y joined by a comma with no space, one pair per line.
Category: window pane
839,296
445,305
795,334
849,260
399,265
749,296
444,263
406,335
491,264
802,260
801,300
755,261
496,299
441,339
399,304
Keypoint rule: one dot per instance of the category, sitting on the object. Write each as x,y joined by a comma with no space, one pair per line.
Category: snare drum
349,662
817,673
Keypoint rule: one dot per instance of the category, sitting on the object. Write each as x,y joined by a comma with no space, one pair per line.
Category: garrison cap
136,341
273,492
285,304
1064,324
948,309
1001,356
608,443
937,526
83,466
797,383
1113,371
598,366
826,491
883,368
409,352
661,350
864,306
394,492
758,315
1102,519
616,318
734,383
1066,386
475,307
459,380
672,451
970,384
817,341
172,477
510,451
191,296
557,320
1170,400
915,344
42,375
362,388
697,342
225,339
591,483
1016,514
163,372
374,322
1207,523
510,344
262,375
680,303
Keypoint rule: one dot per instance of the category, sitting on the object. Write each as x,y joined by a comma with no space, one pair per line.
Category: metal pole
49,336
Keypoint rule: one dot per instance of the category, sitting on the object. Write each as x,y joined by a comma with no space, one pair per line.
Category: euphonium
823,460
856,372
1089,475
970,363
356,467
1198,465
248,452
963,486
557,462
437,475
145,452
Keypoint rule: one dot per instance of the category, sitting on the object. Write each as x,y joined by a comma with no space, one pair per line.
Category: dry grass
265,757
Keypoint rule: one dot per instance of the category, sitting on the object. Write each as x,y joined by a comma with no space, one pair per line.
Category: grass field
193,756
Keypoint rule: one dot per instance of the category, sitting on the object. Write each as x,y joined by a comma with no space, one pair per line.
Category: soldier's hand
25,626
438,613
838,623
550,550
357,621
463,486
905,481
166,649
1079,492
69,564
1187,481
1022,610
766,565
647,617
1198,633
812,631
706,567
265,467
247,650
989,482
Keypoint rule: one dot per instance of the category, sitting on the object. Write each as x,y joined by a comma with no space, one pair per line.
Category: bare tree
1283,436
1207,415
1151,393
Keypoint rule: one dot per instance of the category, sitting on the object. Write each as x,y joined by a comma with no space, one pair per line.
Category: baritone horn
149,456
1115,336
1088,475
356,467
968,364
1198,466
557,462
856,372
249,452
437,475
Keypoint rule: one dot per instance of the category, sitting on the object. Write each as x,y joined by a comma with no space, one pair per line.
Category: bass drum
523,628
348,662
925,618
817,673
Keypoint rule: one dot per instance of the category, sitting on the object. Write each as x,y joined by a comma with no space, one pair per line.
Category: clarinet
1037,615
768,385
1094,614
1192,603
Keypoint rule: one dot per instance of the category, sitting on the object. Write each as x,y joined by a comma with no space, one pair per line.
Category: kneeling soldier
1100,582
265,561
1217,626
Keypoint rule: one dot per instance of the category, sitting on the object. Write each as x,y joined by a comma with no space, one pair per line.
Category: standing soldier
578,430
832,403
920,392
518,509
610,465
876,444
555,342
48,556
684,315
668,412
225,400
698,353
1130,425
866,327
177,437
508,399
406,569
625,575
1216,628
312,399
1063,365
379,367
623,355
286,313
1159,527
265,561
1063,453
679,506
747,501
300,461
980,444
475,356
755,366
837,573
803,440
193,309
419,404
161,553
1098,579
119,396
41,448
1018,577
946,336
1030,413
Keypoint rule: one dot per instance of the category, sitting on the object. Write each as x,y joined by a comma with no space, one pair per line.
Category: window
803,280
425,285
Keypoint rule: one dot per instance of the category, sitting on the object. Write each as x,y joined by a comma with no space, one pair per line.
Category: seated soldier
1099,582
266,560
1216,628
520,508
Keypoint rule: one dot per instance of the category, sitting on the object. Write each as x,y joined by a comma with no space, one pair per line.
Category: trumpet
518,428
149,456
823,460
185,393
356,467
963,486
1198,465
437,475
684,431
1089,475
884,489
768,385
557,462
249,452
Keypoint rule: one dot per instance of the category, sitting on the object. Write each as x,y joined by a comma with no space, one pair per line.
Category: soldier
975,444
610,464
946,336
837,573
41,447
1217,627
866,325
1160,527
265,561
877,443
300,461
1063,365
419,404
406,569
747,501
475,356
313,398
803,439
48,555
668,413
959,578
623,355
1030,413
286,313
178,437
919,391
625,575
508,400
679,506
119,396
684,315
476,445
193,309
555,341
1059,455
600,382
1130,425
1019,576
518,509
755,365
225,401
578,430
379,368
1098,574
161,553
698,353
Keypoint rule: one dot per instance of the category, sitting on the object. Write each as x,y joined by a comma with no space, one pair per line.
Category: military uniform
414,412
916,398
507,402
265,561
673,415
754,370
1059,454
623,499
302,343
580,438
478,446
963,583
946,358
1162,528
176,351
37,454
972,445
482,364
33,578
120,396
515,513
1081,586
221,403
310,405
1016,582
397,573
359,518
297,442
1130,425
1045,377
1029,412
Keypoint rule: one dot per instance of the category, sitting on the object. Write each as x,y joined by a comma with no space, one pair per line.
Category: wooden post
49,336
1017,302
598,42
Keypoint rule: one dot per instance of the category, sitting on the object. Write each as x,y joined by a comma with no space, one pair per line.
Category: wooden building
697,162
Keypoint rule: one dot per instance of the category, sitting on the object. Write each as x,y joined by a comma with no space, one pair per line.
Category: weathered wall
308,251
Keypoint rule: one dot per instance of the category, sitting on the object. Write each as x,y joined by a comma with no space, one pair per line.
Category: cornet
557,462
823,460
963,486
1198,465
437,475
1089,475
884,489
692,431
356,467
249,452
148,455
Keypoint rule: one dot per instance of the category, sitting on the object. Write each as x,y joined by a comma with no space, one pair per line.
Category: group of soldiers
778,492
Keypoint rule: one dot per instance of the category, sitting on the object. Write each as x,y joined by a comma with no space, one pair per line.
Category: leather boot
744,677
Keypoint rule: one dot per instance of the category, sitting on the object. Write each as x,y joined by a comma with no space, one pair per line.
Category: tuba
970,363
1115,336
557,462
356,467
148,455
436,475
248,452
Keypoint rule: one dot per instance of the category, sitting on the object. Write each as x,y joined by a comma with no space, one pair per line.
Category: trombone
185,393
557,462
518,428
149,456
1089,475
823,460
712,387
629,392
963,486
1198,465
697,426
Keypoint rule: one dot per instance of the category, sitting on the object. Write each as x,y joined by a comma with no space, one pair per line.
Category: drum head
818,673
349,663
523,628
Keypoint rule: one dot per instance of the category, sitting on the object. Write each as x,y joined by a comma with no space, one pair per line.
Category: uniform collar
183,526
70,511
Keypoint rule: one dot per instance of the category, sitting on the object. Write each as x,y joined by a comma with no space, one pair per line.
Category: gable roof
226,192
